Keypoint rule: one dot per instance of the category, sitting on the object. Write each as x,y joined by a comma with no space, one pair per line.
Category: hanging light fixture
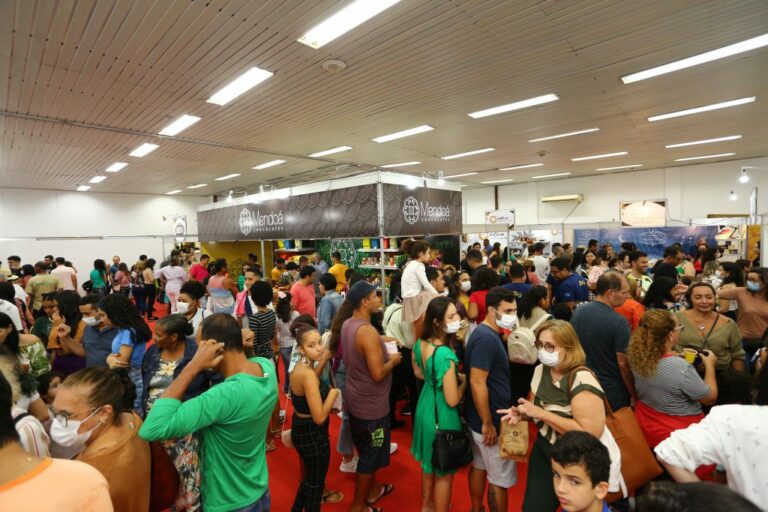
733,196
744,178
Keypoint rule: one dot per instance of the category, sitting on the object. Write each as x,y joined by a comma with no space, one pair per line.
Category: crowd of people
144,389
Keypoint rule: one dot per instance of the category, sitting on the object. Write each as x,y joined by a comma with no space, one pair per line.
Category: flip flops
385,489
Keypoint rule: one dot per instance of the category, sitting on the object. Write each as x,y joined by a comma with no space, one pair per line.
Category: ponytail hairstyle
299,330
102,386
283,308
649,341
531,300
413,247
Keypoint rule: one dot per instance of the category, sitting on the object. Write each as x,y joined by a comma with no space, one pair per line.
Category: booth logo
271,222
411,210
415,211
246,221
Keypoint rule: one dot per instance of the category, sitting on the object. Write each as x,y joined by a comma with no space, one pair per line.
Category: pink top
303,299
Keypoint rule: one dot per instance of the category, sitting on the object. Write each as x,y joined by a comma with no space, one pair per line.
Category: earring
305,360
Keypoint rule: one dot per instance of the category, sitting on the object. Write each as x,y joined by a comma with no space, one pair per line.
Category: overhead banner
343,213
651,241
502,217
422,211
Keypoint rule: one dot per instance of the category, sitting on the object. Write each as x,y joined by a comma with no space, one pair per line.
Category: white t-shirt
64,275
21,294
10,309
542,268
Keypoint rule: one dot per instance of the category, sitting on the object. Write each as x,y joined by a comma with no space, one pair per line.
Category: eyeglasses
548,347
64,418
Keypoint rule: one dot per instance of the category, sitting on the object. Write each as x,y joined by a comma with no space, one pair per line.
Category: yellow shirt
339,271
276,273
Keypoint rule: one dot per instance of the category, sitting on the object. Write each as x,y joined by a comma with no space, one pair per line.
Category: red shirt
478,298
303,299
198,272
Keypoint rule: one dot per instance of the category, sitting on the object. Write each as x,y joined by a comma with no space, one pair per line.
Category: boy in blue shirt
580,471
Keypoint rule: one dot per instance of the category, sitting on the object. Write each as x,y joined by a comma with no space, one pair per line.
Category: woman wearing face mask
669,390
574,403
704,328
733,277
464,285
189,304
441,394
173,349
312,401
753,309
93,419
66,338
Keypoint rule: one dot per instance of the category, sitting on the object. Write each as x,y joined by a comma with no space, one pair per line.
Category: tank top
364,398
220,296
300,404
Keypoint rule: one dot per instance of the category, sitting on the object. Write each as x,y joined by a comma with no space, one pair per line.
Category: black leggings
311,441
150,291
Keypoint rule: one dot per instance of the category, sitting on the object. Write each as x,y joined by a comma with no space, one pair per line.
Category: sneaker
349,467
392,448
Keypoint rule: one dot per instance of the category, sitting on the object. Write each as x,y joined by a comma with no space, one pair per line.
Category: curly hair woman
670,391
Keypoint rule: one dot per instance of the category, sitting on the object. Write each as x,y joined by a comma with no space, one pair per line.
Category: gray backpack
520,344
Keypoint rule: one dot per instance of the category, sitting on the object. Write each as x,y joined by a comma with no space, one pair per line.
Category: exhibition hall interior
366,255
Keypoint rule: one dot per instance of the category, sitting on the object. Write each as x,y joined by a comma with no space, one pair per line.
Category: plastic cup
690,355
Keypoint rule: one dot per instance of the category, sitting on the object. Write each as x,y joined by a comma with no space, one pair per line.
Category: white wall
692,192
74,222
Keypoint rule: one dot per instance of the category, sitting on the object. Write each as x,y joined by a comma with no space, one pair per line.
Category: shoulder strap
434,385
572,377
705,343
20,417
540,321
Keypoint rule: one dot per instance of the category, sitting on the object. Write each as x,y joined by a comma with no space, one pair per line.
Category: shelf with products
377,267
379,250
297,250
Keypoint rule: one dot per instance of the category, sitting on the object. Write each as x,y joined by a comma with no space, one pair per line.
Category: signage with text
422,211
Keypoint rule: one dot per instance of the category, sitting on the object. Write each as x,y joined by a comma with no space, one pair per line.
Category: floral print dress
185,451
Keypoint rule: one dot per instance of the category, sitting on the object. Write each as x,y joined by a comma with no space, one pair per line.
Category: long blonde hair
573,355
649,342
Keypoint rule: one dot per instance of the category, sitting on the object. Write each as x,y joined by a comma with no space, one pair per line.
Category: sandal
385,489
332,497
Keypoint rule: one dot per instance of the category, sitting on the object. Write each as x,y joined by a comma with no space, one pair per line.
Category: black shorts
371,438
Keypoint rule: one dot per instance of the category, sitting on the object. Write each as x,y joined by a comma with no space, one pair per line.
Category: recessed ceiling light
97,179
405,133
705,141
331,151
144,150
495,181
239,85
619,167
597,157
514,167
179,125
705,108
468,153
460,175
199,185
354,14
531,102
403,164
569,134
726,51
703,157
551,175
83,188
269,164
117,166
227,177
172,192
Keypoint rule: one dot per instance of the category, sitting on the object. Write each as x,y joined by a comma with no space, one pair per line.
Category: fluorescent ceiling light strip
179,125
459,175
199,185
97,179
143,150
619,167
514,167
239,85
705,108
569,134
351,16
597,157
404,164
173,192
705,141
531,102
117,166
703,157
720,53
405,133
83,188
495,181
551,175
228,176
468,153
331,151
269,164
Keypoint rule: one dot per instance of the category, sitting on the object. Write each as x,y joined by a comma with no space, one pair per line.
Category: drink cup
690,355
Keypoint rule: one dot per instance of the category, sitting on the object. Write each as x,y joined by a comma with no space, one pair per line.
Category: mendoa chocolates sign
422,211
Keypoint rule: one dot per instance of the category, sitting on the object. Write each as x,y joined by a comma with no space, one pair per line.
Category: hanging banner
501,217
422,211
343,213
651,241
180,228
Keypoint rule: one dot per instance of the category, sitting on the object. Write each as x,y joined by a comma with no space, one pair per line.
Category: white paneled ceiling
86,81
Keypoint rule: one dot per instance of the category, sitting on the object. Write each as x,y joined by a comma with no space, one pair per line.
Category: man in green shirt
231,418
41,284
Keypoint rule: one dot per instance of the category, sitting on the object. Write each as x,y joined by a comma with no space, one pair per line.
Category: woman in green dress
435,361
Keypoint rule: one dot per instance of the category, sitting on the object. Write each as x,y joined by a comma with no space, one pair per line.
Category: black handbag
451,449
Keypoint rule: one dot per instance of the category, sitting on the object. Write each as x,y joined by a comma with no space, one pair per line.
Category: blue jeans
345,446
285,355
138,403
140,295
263,504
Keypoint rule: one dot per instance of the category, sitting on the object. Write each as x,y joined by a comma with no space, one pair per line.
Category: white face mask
550,359
718,274
90,321
66,435
182,307
466,285
453,327
508,322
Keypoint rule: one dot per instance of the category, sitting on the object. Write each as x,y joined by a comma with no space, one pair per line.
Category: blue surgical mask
753,286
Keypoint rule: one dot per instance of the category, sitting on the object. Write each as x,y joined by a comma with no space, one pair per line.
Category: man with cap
366,394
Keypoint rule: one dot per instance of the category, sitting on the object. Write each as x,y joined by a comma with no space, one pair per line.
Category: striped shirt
284,338
675,389
263,327
554,397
